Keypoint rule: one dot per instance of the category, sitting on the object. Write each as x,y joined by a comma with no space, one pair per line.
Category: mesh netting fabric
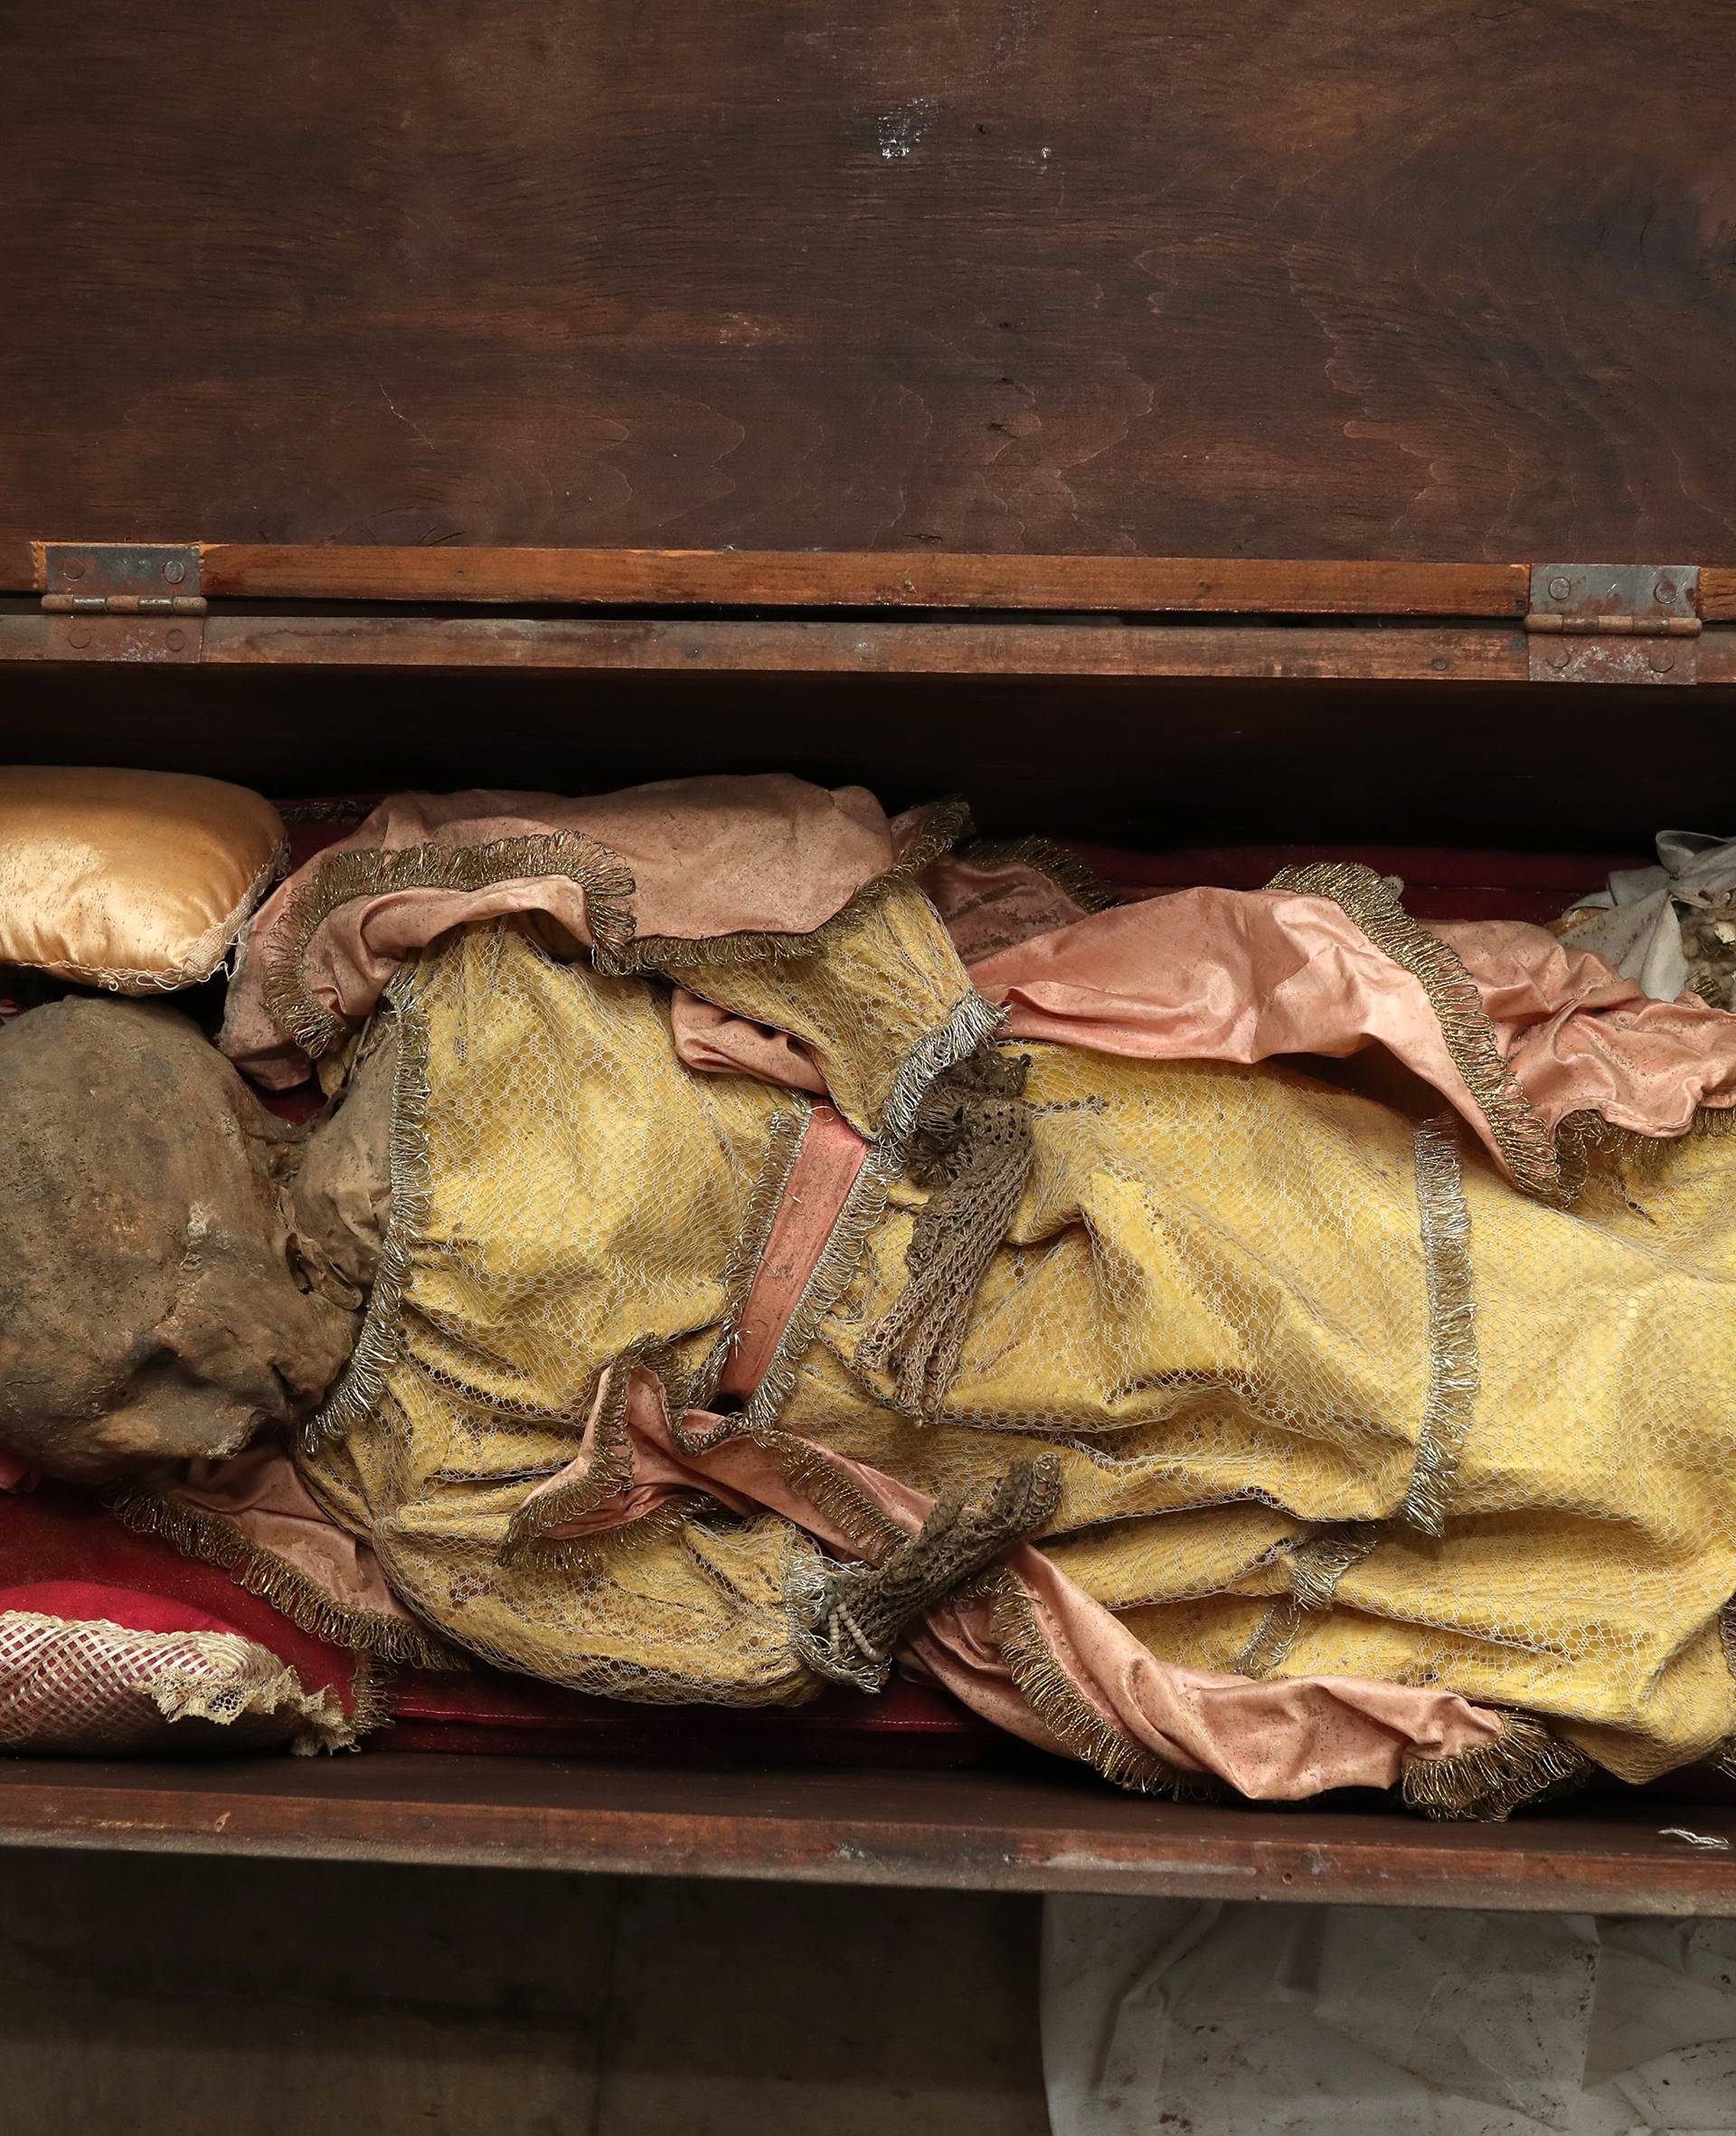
86,1688
1331,1397
565,1193
1328,1394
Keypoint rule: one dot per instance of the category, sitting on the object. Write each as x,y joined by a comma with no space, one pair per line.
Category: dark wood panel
923,580
964,1831
1299,277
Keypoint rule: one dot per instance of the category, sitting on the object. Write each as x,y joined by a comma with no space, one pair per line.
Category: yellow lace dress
1328,1394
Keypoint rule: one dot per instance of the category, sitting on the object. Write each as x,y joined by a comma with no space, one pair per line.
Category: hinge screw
1662,663
73,568
80,635
174,571
178,638
1663,592
1558,588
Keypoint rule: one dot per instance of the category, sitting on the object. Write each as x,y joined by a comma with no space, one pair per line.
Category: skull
151,1306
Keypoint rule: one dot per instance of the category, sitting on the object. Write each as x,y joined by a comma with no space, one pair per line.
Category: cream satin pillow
136,880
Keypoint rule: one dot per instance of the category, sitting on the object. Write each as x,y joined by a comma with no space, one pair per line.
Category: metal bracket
1614,623
111,601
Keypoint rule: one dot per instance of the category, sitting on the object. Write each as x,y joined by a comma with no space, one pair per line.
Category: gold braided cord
941,827
1455,1372
1524,1763
1519,1132
357,1393
1071,874
211,1539
374,872
1082,1729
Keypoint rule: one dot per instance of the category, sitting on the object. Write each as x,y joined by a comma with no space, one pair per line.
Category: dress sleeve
880,1003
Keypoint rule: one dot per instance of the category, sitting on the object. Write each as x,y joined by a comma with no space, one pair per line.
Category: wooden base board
977,1831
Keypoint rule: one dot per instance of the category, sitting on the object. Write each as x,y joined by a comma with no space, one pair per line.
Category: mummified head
148,1307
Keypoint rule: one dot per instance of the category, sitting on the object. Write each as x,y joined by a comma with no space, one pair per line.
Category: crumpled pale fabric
1254,975
1639,930
708,856
1161,2015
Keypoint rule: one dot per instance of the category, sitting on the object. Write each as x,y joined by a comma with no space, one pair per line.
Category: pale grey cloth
1165,2015
1641,933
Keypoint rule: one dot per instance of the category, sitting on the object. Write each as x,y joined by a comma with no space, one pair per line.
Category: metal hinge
113,600
1614,623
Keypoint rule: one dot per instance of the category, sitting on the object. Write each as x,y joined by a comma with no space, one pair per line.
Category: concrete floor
157,1996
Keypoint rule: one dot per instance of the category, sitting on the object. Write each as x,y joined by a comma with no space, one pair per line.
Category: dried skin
150,1302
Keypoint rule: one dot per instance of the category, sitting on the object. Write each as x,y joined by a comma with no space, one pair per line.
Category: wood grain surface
927,578
1455,280
992,1831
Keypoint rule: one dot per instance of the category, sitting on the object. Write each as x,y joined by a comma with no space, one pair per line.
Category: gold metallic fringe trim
1081,1728
972,1022
1523,1762
202,958
943,823
371,872
610,1469
1583,1139
369,1694
212,1540
1315,1568
357,1395
1519,1132
784,1139
1071,874
834,1495
1454,1371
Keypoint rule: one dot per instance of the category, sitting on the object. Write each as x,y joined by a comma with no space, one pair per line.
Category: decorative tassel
973,1147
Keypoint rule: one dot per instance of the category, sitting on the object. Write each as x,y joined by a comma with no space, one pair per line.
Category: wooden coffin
1288,424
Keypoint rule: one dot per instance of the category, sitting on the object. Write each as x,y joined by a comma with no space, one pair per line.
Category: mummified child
781,1248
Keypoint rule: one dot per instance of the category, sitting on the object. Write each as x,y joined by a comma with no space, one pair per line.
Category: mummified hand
148,1307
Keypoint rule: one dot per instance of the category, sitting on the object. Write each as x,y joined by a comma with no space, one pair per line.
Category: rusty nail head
178,638
174,571
1662,663
1561,659
74,568
80,635
1663,592
1558,588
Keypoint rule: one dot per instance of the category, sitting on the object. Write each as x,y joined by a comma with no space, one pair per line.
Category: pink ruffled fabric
708,856
1251,975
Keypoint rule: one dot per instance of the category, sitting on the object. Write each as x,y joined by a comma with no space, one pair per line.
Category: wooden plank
1465,653
650,578
1294,278
979,1830
701,647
